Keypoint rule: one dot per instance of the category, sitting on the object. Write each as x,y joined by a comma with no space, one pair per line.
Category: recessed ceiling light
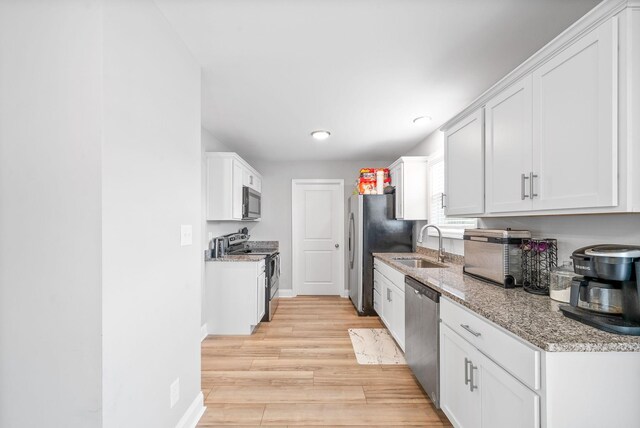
320,135
422,119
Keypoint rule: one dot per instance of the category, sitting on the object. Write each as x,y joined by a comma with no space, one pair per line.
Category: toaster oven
495,255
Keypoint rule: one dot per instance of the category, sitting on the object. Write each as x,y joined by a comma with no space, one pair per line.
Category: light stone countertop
533,318
274,245
237,258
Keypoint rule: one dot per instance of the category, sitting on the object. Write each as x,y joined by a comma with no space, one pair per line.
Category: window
452,227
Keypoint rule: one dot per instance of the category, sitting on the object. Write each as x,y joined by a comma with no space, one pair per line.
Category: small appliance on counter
495,255
606,296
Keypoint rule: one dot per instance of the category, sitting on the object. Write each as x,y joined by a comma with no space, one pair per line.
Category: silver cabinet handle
466,371
471,385
388,295
416,291
531,177
337,245
444,205
466,327
251,179
523,179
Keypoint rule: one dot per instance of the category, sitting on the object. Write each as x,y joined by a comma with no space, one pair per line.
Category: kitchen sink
420,263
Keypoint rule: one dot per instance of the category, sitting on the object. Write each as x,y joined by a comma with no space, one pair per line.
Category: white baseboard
345,293
193,414
286,293
203,332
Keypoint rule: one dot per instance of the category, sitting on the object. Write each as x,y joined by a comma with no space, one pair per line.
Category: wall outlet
174,393
186,234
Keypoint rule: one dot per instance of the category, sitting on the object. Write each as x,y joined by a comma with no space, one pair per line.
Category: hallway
300,370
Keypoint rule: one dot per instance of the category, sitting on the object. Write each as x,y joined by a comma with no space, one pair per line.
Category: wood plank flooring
300,370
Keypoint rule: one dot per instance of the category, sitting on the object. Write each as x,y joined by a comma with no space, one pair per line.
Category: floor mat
375,346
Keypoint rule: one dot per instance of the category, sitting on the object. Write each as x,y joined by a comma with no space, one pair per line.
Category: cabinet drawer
377,301
518,358
377,282
394,276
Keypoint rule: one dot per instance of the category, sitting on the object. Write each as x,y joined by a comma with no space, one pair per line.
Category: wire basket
539,256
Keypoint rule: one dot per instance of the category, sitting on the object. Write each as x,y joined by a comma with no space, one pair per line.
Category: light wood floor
300,370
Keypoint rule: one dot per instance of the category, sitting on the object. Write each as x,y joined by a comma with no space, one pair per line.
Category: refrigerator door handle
352,232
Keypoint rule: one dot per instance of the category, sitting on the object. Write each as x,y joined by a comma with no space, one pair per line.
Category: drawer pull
466,327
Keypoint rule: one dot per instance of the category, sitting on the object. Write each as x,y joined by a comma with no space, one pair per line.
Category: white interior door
317,237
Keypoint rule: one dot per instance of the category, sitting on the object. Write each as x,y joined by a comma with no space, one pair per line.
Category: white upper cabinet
575,124
227,173
558,130
410,175
464,166
508,140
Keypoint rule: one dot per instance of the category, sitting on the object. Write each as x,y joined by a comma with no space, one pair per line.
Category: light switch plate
186,234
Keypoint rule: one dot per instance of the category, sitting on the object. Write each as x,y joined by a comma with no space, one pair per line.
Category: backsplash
571,231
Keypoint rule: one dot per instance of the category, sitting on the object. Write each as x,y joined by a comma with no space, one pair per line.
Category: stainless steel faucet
440,247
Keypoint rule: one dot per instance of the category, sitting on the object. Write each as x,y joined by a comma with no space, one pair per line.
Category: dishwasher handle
422,289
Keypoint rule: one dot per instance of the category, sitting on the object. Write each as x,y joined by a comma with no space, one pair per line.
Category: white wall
572,231
276,217
151,185
50,245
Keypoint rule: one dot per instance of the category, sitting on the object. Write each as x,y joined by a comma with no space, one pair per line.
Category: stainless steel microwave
251,204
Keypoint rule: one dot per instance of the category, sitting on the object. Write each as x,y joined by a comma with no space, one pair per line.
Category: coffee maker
606,295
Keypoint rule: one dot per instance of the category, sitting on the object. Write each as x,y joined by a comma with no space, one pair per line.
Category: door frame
341,275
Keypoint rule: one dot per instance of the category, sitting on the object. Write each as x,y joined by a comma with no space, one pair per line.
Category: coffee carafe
606,294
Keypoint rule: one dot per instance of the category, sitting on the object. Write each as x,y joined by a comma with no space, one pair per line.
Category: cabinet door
575,141
397,180
238,172
505,402
457,400
508,141
399,317
464,163
387,306
261,290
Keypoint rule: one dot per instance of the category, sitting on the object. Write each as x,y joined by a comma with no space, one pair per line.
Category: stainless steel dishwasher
422,328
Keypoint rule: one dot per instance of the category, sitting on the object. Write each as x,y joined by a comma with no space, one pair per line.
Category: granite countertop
533,318
236,258
262,245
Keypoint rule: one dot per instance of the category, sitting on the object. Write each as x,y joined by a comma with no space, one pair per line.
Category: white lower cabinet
261,291
477,392
457,399
391,307
235,296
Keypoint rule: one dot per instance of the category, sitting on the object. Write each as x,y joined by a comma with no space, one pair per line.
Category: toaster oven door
485,259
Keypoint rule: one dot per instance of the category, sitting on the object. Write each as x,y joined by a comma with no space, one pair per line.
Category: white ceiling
275,70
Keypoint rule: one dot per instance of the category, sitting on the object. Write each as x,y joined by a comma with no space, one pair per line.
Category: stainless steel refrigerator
372,229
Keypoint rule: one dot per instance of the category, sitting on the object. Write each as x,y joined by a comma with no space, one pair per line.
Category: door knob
337,245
